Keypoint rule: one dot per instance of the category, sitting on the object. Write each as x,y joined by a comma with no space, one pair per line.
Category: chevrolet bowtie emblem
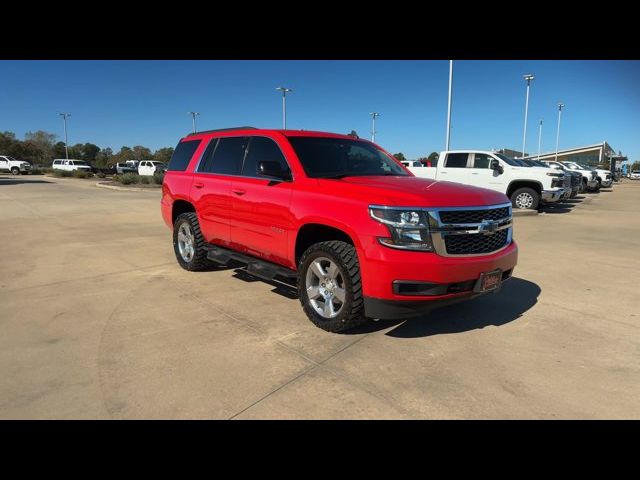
488,226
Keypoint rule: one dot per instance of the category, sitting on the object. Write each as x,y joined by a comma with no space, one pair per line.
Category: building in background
599,154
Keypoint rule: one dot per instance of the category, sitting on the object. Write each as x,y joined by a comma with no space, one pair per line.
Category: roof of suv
288,132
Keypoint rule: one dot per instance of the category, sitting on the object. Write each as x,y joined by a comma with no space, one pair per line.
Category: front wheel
525,198
330,286
15,171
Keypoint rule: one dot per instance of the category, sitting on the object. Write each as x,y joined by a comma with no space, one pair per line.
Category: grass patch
62,173
81,174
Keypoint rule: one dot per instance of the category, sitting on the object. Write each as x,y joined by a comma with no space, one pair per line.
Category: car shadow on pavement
515,298
563,207
15,181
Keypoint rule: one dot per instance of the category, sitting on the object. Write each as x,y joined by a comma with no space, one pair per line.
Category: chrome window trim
440,230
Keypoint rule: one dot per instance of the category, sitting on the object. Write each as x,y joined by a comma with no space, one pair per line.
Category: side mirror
273,169
495,165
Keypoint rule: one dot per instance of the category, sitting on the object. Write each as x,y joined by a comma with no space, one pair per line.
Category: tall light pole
560,106
449,105
373,128
193,116
539,138
284,91
66,148
528,77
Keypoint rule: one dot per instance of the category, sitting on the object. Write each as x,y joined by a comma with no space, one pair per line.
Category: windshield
76,162
324,157
511,161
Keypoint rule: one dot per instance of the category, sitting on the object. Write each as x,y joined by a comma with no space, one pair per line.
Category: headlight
409,229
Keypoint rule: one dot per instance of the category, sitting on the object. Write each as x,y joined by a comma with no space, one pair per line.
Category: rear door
261,220
454,168
211,187
4,164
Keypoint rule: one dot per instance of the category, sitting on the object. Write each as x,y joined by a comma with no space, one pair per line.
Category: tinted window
325,157
182,155
262,149
456,160
227,156
481,160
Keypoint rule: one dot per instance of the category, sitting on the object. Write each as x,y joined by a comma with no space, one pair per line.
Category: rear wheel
330,286
188,243
525,198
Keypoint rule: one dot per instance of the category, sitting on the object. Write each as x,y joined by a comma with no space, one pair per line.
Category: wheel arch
516,184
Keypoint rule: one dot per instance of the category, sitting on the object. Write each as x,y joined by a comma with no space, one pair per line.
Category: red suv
361,236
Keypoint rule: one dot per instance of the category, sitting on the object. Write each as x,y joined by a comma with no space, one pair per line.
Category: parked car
589,180
358,233
130,166
603,176
150,167
110,169
71,165
15,167
572,180
526,186
635,175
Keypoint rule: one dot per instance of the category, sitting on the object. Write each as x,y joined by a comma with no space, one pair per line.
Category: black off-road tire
15,171
345,257
199,260
535,198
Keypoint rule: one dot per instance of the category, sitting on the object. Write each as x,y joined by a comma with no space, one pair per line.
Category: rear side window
228,156
182,155
262,149
456,160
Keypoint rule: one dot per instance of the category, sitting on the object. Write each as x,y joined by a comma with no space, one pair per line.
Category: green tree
104,158
89,152
58,150
42,143
163,154
75,151
400,156
141,153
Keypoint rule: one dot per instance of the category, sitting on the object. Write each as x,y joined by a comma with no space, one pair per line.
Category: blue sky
116,103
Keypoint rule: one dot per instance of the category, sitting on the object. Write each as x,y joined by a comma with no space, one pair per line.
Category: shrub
144,179
128,178
100,175
82,174
62,173
36,171
158,178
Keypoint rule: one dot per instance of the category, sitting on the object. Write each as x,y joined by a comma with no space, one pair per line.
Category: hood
410,192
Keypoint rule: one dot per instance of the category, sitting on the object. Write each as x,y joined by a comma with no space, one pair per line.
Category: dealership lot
97,320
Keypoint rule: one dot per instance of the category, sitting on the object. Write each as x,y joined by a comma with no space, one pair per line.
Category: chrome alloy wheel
186,242
524,200
325,287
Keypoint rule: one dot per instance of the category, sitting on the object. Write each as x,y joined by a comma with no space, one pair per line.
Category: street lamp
528,77
373,129
560,107
193,115
539,139
66,148
284,91
449,105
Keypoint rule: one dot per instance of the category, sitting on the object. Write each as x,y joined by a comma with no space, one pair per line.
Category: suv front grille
475,243
473,216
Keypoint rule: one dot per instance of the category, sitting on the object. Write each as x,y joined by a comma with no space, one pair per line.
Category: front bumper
551,196
592,183
606,183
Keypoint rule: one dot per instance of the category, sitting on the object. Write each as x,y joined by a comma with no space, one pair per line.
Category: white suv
70,165
16,167
149,167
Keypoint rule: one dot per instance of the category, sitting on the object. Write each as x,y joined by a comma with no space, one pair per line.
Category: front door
482,175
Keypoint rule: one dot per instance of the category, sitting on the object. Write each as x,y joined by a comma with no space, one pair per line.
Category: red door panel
210,194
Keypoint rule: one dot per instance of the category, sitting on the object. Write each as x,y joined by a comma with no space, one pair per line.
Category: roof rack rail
222,130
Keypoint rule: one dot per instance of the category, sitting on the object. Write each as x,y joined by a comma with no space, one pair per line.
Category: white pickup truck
16,167
526,186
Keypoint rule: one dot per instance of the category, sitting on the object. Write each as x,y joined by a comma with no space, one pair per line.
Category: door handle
239,191
474,173
198,185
